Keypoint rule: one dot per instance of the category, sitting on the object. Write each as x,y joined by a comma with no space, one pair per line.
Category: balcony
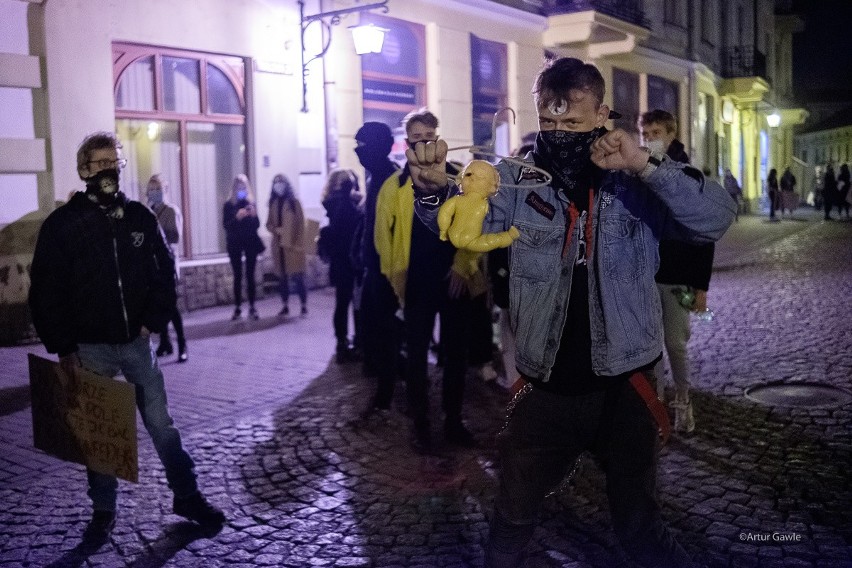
744,61
625,10
599,27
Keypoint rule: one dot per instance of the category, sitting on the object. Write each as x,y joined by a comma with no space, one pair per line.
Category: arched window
182,114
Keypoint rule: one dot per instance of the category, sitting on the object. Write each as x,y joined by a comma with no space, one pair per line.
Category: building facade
200,92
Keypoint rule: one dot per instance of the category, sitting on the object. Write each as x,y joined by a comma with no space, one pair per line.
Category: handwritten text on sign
99,433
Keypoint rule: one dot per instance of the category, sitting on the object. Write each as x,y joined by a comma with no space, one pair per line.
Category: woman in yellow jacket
286,224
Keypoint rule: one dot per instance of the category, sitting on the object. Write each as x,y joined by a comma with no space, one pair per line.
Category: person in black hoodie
379,327
335,242
682,278
103,280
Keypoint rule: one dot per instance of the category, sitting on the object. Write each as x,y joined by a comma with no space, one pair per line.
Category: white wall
80,83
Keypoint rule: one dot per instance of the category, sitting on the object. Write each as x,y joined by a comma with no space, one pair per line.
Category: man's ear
602,116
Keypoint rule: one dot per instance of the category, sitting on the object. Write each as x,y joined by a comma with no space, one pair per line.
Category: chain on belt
510,410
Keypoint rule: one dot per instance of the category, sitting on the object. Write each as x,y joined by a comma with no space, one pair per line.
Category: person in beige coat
286,224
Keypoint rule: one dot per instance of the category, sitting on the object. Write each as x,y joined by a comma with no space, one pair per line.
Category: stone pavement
267,415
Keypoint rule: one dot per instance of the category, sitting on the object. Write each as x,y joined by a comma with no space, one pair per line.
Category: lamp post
374,34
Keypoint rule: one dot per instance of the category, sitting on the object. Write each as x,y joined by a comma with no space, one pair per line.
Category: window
488,63
182,115
708,21
663,95
625,99
394,81
673,12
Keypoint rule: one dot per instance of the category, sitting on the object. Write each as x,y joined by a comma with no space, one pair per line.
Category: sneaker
238,313
458,435
684,421
101,524
304,309
183,356
253,314
285,311
197,508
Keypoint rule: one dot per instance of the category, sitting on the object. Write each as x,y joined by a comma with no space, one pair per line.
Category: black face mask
370,157
565,154
104,187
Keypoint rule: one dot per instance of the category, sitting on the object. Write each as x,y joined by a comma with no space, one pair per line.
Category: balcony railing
744,61
627,10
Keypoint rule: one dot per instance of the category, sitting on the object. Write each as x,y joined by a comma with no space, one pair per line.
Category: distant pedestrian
772,192
843,200
286,224
102,280
789,198
170,221
239,217
734,190
335,243
829,191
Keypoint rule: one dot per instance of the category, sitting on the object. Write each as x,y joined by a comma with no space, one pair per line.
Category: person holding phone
239,217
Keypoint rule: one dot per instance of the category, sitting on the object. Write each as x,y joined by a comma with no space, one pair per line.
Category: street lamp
368,39
374,34
773,120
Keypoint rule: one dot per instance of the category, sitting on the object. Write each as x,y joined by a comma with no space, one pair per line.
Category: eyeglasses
107,164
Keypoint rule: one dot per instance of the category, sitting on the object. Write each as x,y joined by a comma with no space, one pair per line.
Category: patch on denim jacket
606,199
530,174
541,206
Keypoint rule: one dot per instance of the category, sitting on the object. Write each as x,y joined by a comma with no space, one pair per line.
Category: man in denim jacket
584,305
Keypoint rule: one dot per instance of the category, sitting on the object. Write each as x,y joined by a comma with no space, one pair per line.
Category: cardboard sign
99,433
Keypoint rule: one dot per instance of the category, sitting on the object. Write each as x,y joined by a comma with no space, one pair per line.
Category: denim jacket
629,218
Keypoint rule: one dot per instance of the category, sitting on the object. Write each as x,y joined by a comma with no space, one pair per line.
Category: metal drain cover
799,395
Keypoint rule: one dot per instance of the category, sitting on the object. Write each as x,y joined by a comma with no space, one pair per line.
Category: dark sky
822,53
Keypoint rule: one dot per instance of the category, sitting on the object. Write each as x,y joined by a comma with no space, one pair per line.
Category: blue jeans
138,362
543,439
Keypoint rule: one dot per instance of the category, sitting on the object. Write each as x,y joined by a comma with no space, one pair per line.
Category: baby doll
460,218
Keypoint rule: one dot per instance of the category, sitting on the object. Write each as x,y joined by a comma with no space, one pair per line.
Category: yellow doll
460,218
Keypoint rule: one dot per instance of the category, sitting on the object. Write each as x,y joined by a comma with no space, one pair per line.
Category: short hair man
102,279
419,267
682,278
588,324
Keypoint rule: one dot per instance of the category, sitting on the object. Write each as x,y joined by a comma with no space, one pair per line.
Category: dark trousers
381,331
342,299
545,436
421,307
237,268
177,322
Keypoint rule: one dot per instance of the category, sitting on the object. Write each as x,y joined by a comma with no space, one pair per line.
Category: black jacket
680,262
97,279
335,240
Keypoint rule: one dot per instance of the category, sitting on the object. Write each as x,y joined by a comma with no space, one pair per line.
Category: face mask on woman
155,197
242,194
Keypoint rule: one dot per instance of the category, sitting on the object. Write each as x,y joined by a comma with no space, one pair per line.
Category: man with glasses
102,280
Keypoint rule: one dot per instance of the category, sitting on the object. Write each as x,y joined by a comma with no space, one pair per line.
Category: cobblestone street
270,420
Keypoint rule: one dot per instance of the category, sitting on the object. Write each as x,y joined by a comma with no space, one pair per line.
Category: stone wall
207,285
